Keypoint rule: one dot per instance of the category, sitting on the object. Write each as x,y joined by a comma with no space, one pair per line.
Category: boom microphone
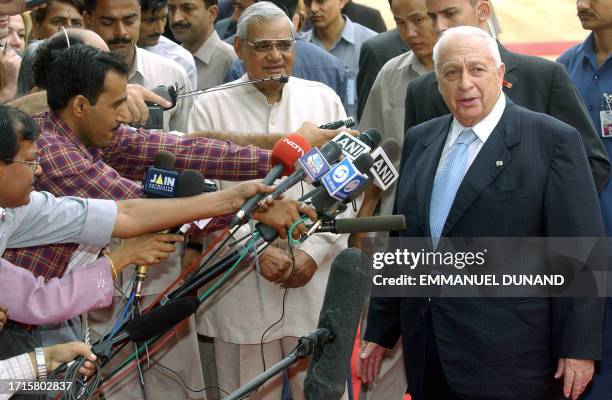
368,224
284,155
348,123
347,289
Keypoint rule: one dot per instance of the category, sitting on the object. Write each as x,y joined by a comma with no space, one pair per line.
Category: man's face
152,24
595,14
118,23
468,79
190,21
99,122
414,26
446,14
17,178
239,6
324,13
276,60
58,14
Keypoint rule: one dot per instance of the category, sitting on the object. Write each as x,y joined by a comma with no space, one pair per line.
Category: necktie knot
467,137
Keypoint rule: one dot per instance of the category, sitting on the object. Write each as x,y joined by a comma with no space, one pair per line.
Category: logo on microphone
383,171
343,179
160,183
350,145
314,164
341,173
294,145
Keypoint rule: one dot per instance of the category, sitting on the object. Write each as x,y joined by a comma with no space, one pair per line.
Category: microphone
347,176
284,155
349,123
366,224
386,157
151,324
347,288
353,147
312,166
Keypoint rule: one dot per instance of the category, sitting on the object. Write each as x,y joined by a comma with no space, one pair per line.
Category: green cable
219,282
296,223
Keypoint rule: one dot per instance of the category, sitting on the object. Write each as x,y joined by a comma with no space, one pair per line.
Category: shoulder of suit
523,60
545,125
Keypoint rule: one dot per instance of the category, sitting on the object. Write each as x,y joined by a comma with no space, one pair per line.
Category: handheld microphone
347,289
347,176
353,147
284,155
384,223
348,123
384,172
312,166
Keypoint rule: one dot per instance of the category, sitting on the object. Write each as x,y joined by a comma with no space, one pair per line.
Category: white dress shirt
175,52
212,60
151,70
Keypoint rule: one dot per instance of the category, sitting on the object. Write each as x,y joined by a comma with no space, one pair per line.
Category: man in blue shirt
590,67
311,62
341,37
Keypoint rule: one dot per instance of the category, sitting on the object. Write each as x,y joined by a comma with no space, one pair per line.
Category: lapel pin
506,84
499,164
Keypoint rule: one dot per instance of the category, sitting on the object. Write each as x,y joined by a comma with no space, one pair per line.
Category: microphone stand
306,346
281,78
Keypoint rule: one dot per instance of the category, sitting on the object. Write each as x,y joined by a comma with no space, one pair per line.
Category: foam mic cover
347,289
160,319
287,151
164,160
384,223
371,137
190,183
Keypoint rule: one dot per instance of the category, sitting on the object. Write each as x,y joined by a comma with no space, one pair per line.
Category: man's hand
147,249
576,375
281,214
315,136
275,265
137,95
66,352
3,316
368,363
303,270
9,71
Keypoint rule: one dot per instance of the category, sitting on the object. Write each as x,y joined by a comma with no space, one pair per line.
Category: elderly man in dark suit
532,82
490,169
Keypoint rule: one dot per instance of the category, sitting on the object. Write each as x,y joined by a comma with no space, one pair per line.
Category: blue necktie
447,183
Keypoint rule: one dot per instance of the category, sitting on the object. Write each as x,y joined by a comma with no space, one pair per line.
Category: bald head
90,38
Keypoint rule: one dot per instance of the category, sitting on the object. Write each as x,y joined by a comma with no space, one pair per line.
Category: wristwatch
41,363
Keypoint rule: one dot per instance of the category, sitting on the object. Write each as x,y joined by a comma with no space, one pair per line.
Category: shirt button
596,77
590,107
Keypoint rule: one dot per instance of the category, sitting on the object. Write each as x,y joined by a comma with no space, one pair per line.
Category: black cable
182,381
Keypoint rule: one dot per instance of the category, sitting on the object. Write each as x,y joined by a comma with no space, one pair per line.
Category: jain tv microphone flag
347,288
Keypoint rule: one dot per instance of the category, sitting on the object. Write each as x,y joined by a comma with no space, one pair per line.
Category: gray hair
469,32
262,10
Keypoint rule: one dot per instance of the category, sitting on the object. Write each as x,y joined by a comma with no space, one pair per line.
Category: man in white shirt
118,23
153,18
295,279
192,24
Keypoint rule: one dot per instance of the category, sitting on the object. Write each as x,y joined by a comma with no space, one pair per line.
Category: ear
213,11
87,19
501,70
79,106
483,10
238,47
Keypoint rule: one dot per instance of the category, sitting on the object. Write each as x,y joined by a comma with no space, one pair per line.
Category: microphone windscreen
160,319
371,137
347,289
363,163
190,183
371,224
288,150
164,160
393,150
331,152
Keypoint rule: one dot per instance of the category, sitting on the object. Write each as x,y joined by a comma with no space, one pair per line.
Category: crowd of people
495,144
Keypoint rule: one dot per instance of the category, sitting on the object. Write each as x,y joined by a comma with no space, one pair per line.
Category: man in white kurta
239,314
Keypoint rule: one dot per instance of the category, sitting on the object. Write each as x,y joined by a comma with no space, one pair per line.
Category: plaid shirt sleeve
134,150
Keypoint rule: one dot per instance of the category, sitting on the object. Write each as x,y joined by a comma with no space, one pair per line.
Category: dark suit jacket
497,348
374,53
537,84
364,15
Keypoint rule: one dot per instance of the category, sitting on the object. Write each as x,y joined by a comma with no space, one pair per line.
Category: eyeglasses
265,46
33,164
